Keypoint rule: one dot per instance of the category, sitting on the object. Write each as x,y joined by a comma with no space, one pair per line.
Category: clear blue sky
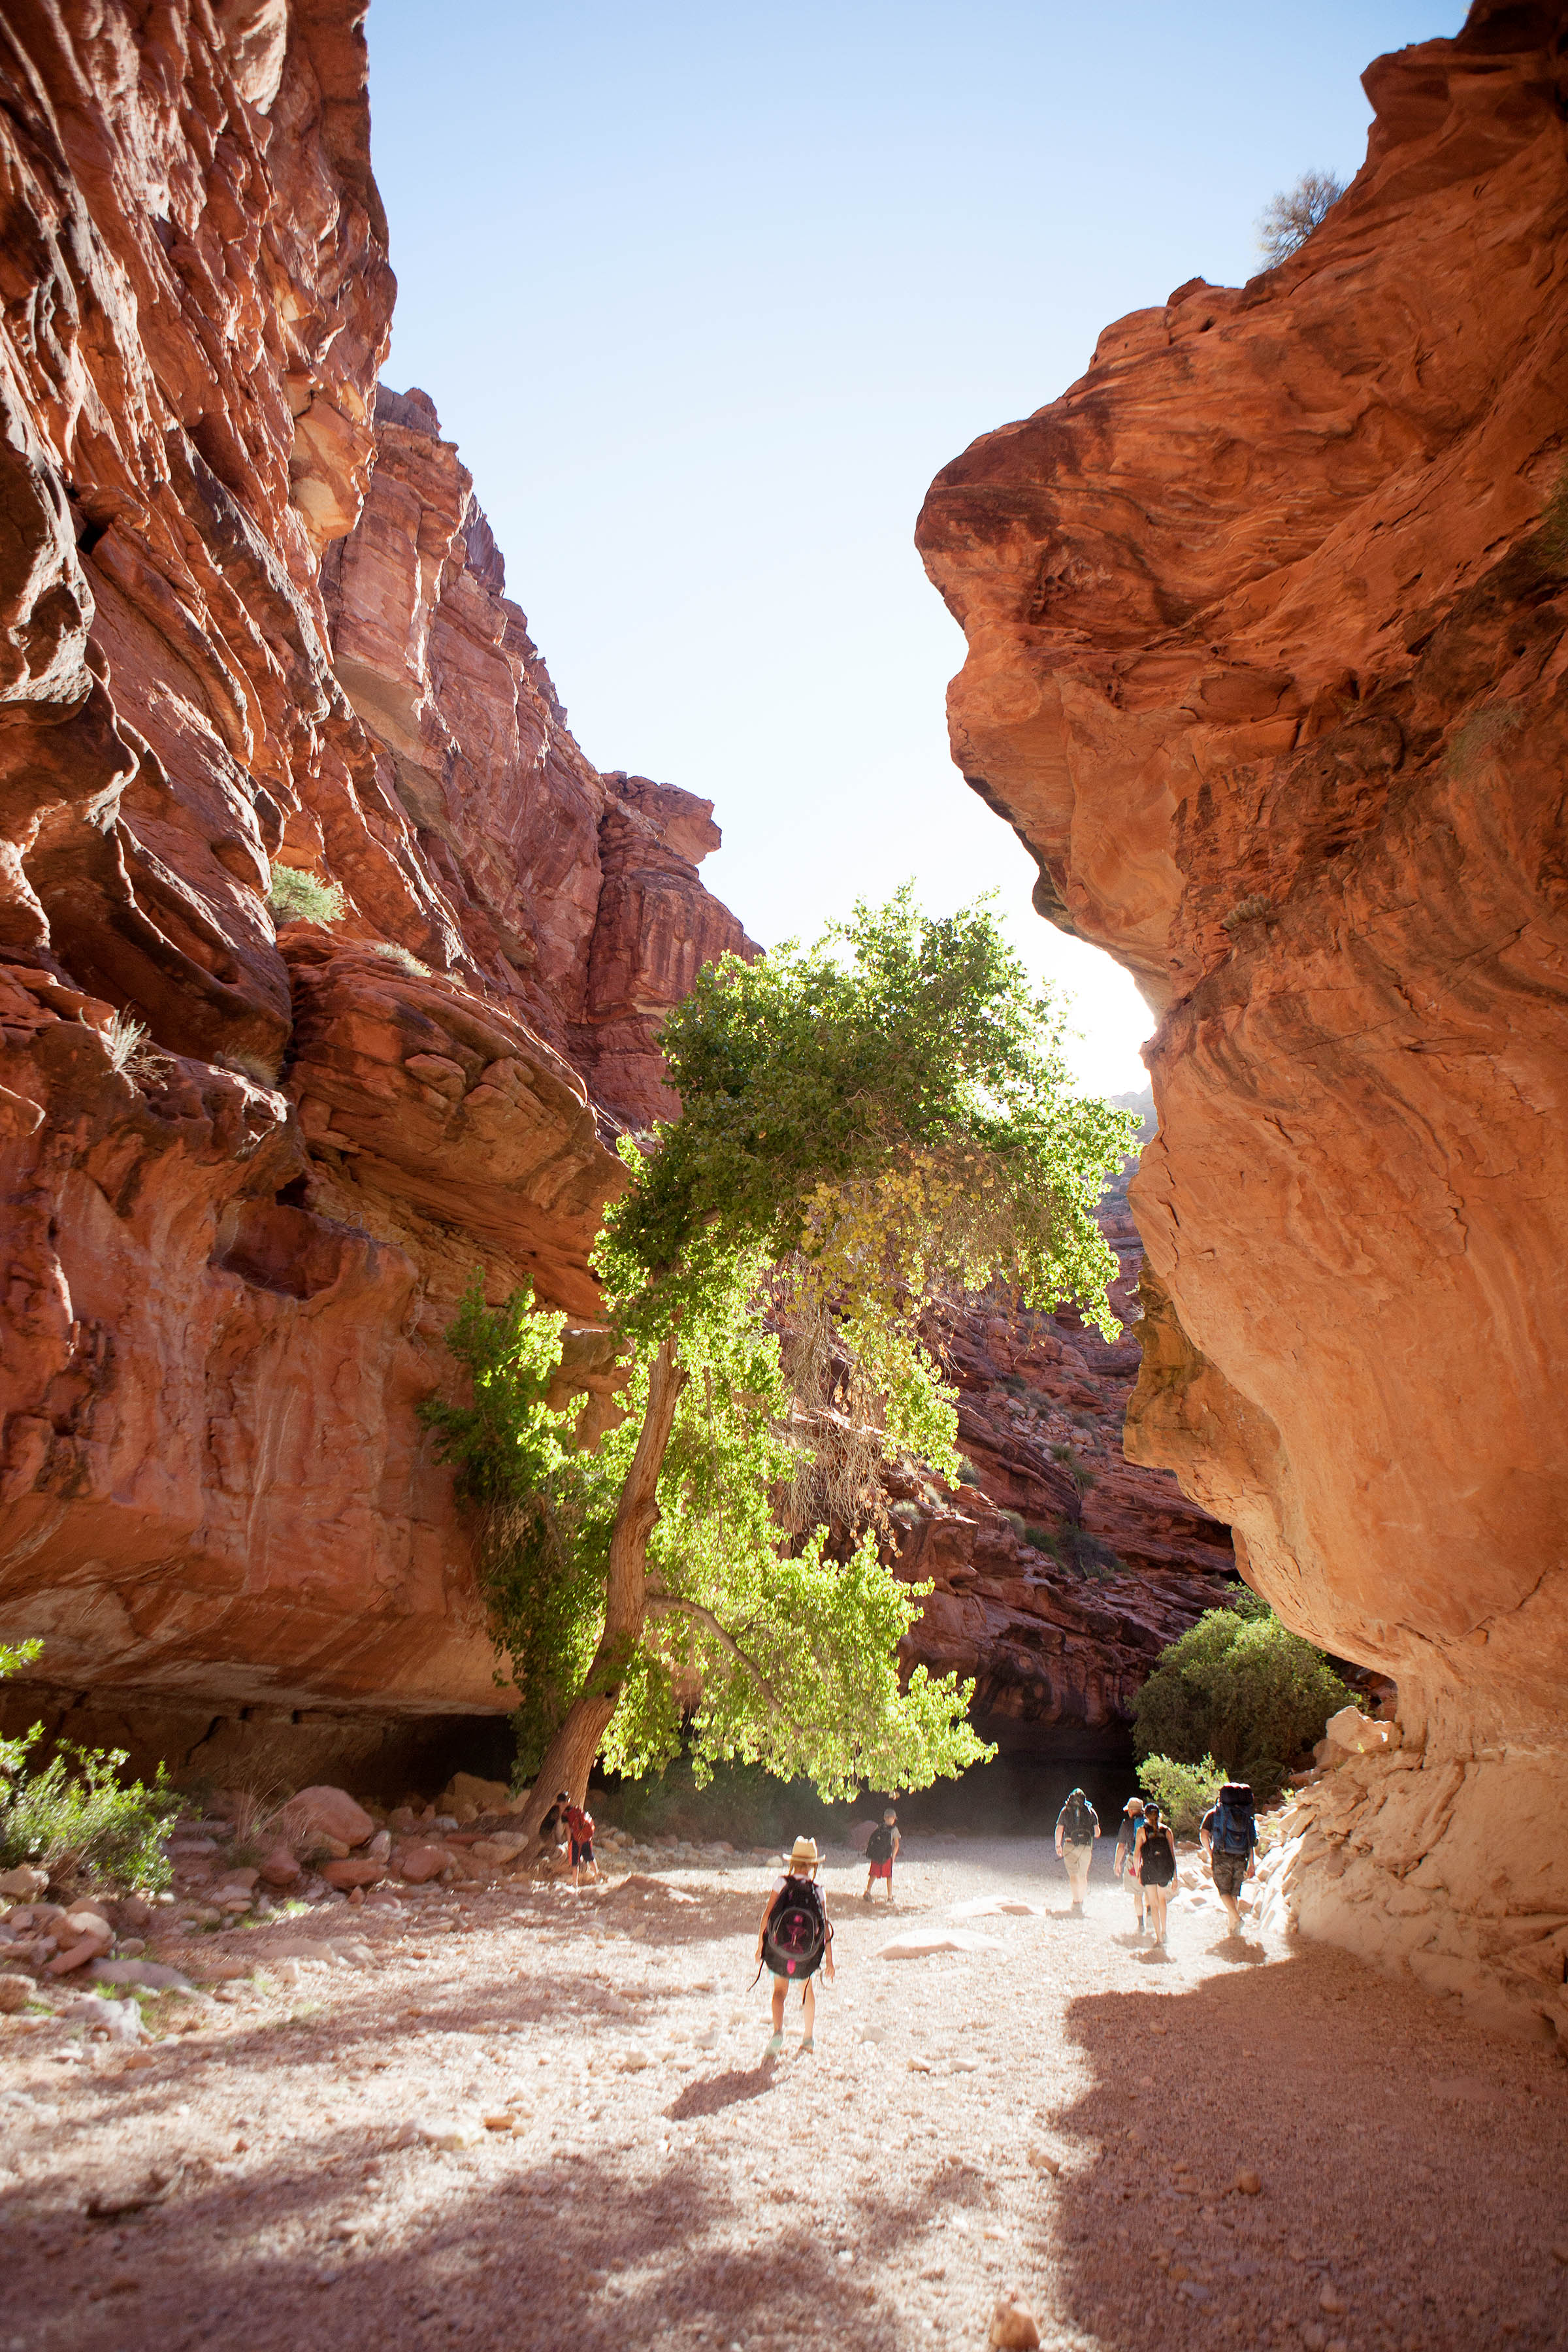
707,294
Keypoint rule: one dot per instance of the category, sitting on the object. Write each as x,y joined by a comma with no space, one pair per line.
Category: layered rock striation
251,618
1267,666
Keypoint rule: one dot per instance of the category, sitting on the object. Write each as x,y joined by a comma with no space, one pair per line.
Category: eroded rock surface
1267,666
249,1164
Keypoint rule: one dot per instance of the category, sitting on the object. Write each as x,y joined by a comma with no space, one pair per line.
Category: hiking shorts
1229,1870
882,1870
1077,1859
584,1852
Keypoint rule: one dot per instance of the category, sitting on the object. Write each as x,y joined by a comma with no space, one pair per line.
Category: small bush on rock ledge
297,898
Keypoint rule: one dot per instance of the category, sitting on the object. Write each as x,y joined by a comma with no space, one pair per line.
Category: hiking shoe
776,2044
806,2046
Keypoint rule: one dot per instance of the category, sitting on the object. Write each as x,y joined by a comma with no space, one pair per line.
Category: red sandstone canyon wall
1267,666
251,615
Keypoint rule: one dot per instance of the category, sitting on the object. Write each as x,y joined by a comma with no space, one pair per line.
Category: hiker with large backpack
1126,1862
1077,1826
1154,1857
881,1851
1228,1835
795,1938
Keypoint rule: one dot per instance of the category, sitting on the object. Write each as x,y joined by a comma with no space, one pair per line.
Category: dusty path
663,2187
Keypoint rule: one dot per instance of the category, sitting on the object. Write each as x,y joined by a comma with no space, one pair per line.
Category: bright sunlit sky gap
706,296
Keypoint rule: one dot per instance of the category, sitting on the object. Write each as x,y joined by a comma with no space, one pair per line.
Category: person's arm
768,1907
1058,1832
1204,1837
897,1842
828,1971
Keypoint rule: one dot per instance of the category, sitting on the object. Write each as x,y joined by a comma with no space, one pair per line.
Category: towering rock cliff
1267,667
249,1165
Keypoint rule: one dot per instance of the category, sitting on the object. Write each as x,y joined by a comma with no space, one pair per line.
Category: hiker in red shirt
579,1827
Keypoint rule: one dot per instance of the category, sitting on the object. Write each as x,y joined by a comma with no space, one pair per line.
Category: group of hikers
1146,1853
795,1934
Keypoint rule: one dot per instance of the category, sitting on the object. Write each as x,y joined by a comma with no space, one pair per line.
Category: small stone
501,2123
1249,2183
448,2131
1331,2299
1314,2337
280,1868
330,1813
357,1871
632,2062
419,1864
1014,2327
1044,2163
24,1883
16,1993
1560,2251
76,1956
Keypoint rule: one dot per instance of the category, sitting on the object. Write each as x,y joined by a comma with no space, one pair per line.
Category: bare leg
1157,1906
808,2015
1232,1911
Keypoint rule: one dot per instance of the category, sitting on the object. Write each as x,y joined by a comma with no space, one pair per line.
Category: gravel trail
655,2182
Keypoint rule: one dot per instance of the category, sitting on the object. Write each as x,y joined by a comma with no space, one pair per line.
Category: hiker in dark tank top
1077,1826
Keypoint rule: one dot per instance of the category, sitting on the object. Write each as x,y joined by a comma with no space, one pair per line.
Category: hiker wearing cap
553,1829
795,1939
1077,1826
1228,1835
881,1851
1126,1858
1155,1857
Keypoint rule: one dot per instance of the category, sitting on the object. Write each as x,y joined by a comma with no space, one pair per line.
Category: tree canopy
864,1122
1241,1688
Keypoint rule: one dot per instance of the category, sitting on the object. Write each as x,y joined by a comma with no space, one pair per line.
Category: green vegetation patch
1238,1693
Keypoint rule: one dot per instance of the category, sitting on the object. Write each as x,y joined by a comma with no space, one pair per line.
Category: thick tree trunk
570,1757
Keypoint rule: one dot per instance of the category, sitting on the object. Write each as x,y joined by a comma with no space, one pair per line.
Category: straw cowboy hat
802,1854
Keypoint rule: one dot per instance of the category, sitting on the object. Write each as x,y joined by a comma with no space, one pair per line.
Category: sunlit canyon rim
253,616
1266,666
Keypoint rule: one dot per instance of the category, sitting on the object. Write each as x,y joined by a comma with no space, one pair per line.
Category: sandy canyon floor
646,2177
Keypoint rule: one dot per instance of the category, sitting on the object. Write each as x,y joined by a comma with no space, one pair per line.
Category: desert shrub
405,959
1092,1556
297,897
1183,1793
1044,1539
129,1052
1247,910
1240,1687
77,1819
1289,218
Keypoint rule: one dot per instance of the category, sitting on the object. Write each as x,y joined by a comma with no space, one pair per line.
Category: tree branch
671,1602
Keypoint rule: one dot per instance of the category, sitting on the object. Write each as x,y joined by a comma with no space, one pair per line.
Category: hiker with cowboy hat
795,1939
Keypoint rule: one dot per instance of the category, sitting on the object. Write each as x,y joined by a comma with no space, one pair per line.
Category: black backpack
1158,1868
796,1934
880,1844
1234,1827
1077,1820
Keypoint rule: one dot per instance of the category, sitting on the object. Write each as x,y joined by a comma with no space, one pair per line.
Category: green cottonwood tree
863,1122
